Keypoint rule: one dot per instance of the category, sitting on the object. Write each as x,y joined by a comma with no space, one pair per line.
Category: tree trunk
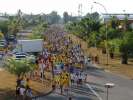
112,55
124,58
103,50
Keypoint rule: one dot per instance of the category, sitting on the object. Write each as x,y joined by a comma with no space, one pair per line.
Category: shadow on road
82,90
92,70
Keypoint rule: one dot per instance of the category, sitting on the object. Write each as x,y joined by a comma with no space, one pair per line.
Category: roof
120,16
31,40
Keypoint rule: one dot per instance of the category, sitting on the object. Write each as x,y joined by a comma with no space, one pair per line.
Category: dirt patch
8,85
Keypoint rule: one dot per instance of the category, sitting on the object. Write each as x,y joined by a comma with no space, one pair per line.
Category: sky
71,6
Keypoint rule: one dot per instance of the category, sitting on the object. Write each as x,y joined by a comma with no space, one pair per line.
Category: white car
21,55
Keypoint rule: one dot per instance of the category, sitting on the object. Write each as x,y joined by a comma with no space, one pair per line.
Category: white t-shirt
72,76
80,76
22,82
83,77
22,90
76,78
42,66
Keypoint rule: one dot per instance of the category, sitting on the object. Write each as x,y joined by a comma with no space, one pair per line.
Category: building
121,17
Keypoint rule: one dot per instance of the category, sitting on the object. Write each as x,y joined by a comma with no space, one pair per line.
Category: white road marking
95,93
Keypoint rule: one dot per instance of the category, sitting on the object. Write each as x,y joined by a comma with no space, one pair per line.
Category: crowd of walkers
66,57
78,78
61,55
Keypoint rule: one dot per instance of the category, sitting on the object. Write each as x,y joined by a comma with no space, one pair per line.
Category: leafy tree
114,45
4,26
126,24
16,23
37,32
1,35
19,67
114,33
95,16
126,47
54,17
114,23
66,17
87,27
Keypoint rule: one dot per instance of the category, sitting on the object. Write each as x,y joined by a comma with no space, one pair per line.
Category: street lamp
106,29
108,85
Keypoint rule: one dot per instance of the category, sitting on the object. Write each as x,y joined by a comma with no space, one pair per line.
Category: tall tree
114,23
4,26
66,17
54,17
126,47
16,23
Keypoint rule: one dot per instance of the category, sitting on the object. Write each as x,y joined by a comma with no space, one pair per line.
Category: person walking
61,83
28,93
41,67
22,91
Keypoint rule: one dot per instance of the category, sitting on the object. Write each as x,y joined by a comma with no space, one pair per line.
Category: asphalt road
77,93
94,88
123,89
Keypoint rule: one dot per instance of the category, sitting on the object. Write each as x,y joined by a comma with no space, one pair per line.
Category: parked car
20,56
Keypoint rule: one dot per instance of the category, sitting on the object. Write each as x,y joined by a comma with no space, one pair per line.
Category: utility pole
108,86
106,31
80,11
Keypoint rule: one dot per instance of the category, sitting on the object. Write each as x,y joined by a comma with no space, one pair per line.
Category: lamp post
106,30
108,85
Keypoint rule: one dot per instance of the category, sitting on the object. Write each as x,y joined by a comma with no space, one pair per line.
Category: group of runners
61,57
66,57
